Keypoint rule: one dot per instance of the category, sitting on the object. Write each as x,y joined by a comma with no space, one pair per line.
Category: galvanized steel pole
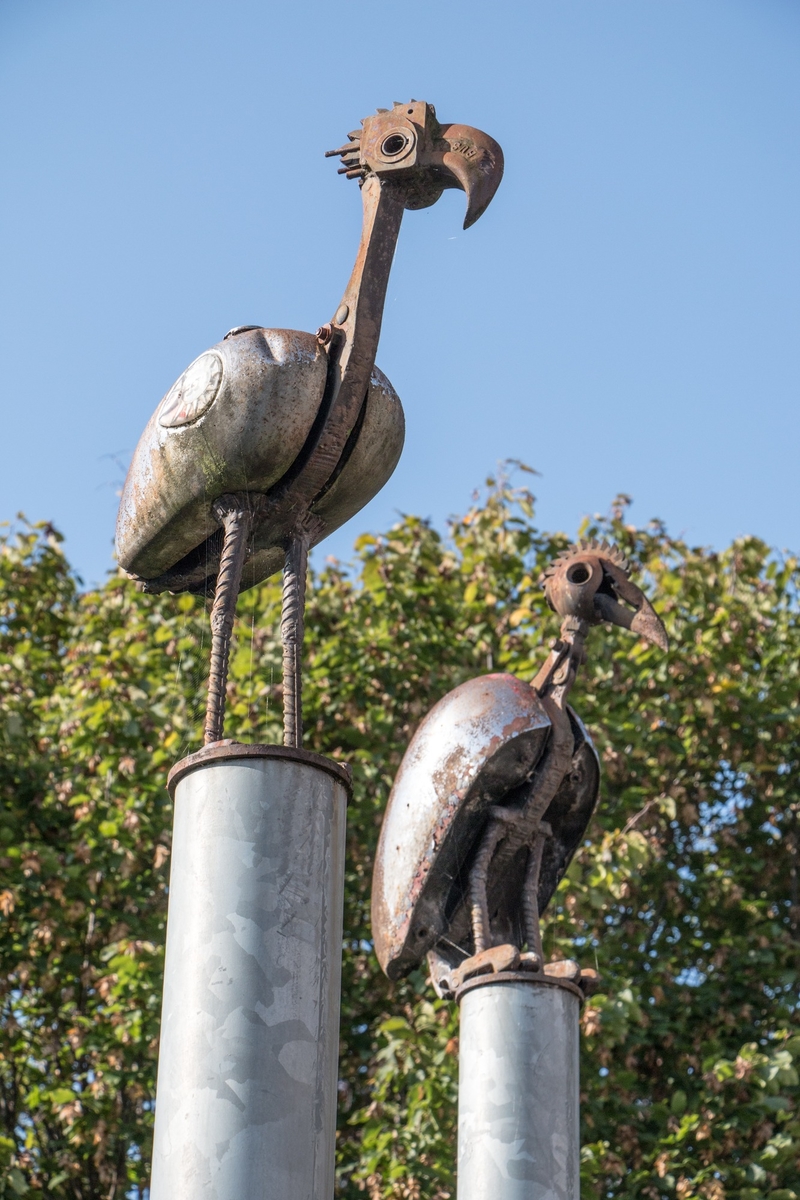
247,1074
518,1096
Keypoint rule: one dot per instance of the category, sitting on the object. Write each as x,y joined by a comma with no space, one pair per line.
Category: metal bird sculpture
273,438
494,795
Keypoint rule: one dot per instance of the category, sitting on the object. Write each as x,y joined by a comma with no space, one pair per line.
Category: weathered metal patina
494,795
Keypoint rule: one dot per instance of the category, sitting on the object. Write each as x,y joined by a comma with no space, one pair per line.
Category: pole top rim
529,978
228,750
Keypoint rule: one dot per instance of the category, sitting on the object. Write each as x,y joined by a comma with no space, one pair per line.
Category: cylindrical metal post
518,1127
247,1073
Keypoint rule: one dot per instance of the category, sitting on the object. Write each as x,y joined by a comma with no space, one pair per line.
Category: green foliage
685,896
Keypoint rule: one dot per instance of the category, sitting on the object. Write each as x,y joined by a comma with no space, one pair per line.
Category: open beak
641,618
472,161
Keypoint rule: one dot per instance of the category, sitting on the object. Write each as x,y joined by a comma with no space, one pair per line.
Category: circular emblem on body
192,394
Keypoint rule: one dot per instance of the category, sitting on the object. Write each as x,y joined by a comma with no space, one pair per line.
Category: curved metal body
238,420
477,748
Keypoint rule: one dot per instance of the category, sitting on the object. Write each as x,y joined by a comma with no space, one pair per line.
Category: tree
685,896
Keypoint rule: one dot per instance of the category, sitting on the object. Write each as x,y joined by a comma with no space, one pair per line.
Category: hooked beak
641,618
472,161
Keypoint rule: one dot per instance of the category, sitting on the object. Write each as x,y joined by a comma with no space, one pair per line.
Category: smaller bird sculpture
494,795
274,437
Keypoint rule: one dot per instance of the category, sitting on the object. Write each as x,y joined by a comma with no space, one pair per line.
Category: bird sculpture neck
360,313
351,342
557,675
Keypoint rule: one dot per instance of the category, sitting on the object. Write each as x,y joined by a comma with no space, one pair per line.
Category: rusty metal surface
230,749
369,460
293,602
234,513
476,748
542,979
302,420
495,960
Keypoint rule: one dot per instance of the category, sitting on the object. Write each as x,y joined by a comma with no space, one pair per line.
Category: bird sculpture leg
234,515
478,901
511,829
500,820
530,895
522,824
292,631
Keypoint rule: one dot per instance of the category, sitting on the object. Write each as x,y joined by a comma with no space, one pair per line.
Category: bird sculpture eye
394,144
192,394
578,574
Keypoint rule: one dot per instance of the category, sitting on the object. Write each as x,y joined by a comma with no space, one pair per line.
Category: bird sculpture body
273,438
494,795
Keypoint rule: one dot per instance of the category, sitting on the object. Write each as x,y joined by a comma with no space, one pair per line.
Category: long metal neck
351,340
356,325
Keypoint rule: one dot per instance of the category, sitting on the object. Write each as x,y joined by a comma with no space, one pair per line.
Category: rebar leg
530,894
478,883
234,517
292,630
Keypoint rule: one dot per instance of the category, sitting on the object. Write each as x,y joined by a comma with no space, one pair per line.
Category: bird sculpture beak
641,618
472,161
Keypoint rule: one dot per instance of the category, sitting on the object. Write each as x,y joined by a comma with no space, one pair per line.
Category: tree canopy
685,894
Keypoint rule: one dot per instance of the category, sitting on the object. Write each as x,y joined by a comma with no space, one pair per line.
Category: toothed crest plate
600,549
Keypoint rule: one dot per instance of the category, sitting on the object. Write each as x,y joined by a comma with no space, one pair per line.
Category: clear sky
625,317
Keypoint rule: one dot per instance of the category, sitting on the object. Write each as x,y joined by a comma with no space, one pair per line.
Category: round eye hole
394,144
580,573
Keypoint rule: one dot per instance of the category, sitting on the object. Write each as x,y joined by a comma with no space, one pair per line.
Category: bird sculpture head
495,792
591,582
416,158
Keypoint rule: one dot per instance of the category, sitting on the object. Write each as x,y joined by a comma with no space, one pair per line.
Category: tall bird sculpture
273,438
494,795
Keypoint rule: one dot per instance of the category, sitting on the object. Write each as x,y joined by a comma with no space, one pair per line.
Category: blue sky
626,316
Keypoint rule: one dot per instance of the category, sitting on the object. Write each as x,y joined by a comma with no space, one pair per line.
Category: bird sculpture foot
493,961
